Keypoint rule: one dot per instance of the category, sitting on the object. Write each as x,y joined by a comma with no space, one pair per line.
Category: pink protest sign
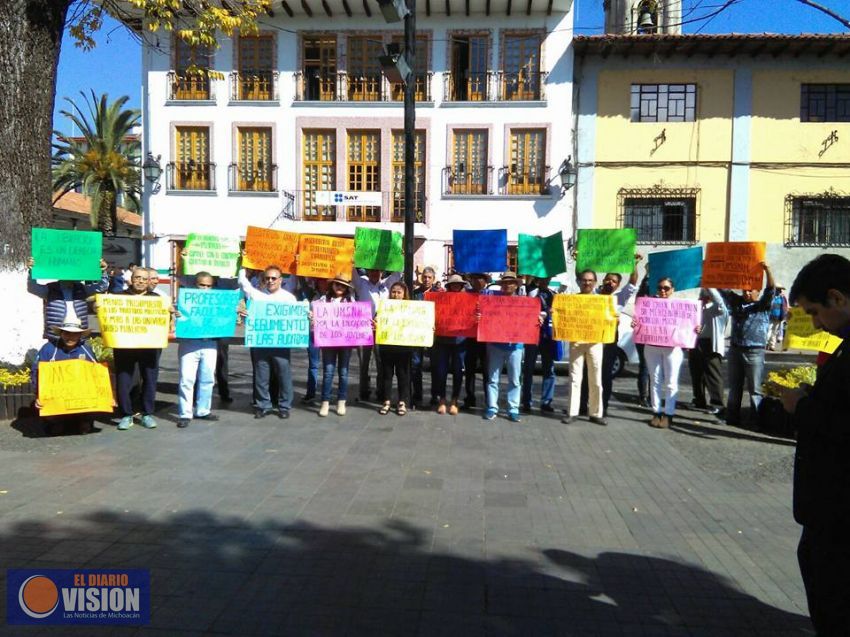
342,324
667,322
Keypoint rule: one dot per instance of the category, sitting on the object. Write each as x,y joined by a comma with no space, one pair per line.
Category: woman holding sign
395,359
447,354
335,359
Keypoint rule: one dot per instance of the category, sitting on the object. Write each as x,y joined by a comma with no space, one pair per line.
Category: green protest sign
211,253
541,256
376,249
67,255
606,250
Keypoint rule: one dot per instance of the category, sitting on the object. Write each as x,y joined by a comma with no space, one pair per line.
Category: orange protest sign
733,265
265,247
74,387
324,257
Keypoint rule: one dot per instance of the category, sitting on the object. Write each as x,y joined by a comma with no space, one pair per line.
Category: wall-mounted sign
348,198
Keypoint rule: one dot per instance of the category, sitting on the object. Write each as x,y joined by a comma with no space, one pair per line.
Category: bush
102,353
790,377
14,377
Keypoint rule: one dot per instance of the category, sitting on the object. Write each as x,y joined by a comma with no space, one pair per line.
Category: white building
304,108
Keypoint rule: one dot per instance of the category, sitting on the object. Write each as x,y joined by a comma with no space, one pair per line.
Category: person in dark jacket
822,459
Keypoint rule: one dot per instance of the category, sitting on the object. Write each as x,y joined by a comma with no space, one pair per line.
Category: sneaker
182,423
713,410
340,408
261,413
208,417
599,421
547,408
643,402
324,408
148,422
489,415
514,417
125,423
283,414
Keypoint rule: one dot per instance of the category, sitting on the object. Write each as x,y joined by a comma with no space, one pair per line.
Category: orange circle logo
38,596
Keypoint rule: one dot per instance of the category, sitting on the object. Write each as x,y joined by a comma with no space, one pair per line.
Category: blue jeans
446,357
546,349
496,357
262,360
745,364
314,355
197,362
335,359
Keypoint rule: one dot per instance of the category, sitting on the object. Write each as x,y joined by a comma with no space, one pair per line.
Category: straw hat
455,279
509,277
342,281
71,326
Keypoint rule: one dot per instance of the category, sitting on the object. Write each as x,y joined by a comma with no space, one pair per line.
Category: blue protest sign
480,250
684,267
206,313
277,324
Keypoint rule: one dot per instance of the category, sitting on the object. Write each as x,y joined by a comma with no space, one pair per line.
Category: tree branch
826,10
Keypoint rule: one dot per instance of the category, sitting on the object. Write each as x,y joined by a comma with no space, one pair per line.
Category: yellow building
696,138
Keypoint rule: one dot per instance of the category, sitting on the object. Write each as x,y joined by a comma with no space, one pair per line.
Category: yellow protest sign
801,334
324,257
74,386
130,321
405,323
584,318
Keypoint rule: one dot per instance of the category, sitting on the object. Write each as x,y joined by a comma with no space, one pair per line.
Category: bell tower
632,17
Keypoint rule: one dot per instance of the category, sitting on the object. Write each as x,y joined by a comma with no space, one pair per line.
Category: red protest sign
454,313
509,319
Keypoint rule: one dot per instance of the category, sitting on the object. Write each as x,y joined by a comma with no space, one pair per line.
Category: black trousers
395,359
706,369
126,361
475,355
824,558
222,368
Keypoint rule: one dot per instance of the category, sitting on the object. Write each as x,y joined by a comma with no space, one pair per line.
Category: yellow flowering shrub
790,377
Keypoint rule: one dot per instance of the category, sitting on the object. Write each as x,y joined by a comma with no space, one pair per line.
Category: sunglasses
270,278
664,288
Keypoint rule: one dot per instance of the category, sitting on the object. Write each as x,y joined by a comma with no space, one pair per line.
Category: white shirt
365,290
251,292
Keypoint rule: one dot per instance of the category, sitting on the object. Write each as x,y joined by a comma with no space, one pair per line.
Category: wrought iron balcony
344,87
254,85
256,177
529,183
521,86
184,87
190,175
469,87
462,182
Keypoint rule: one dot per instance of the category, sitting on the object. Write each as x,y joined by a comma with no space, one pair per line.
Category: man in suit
822,460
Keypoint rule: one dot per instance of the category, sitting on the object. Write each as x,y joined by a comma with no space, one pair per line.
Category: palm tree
104,161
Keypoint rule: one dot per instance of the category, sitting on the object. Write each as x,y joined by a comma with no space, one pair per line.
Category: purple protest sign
342,324
667,322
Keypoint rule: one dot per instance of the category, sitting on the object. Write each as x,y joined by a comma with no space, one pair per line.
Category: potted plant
772,417
16,392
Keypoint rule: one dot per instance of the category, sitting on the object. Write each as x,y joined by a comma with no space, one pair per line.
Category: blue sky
114,66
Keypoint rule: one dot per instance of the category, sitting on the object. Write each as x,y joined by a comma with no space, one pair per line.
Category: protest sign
509,319
75,386
376,249
480,250
324,257
541,256
129,321
206,313
265,247
584,318
800,334
67,255
281,324
454,313
666,322
342,324
408,323
606,250
733,265
211,253
684,267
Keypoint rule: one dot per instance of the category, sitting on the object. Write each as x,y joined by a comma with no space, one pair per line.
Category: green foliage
790,377
102,353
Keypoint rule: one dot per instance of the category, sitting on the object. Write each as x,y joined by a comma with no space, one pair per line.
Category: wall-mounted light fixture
567,174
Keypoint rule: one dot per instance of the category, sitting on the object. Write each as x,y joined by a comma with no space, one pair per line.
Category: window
319,153
659,216
526,174
822,220
192,169
398,201
364,69
825,103
664,102
320,70
510,259
469,67
255,170
469,170
256,68
521,67
186,82
420,71
364,171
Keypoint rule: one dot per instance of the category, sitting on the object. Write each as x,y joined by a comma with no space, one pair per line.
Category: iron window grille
664,102
817,219
825,103
660,215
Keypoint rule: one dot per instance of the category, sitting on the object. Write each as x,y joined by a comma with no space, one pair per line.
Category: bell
646,21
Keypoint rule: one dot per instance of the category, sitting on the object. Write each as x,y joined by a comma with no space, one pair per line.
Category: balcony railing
469,87
190,87
190,175
398,207
520,86
494,86
461,182
254,85
524,183
342,87
252,177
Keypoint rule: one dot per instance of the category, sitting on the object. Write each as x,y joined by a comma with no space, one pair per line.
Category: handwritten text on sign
454,313
509,319
211,253
324,257
206,313
733,265
70,255
405,323
342,324
584,318
265,247
73,387
667,322
801,334
129,321
277,324
606,250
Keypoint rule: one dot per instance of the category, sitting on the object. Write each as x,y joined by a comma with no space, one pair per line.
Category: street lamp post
409,141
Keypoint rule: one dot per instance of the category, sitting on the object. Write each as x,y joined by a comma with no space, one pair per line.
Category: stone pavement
422,525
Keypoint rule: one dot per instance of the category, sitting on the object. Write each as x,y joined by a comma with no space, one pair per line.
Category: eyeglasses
270,278
664,288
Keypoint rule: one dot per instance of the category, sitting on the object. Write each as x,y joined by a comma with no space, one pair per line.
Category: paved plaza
422,525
